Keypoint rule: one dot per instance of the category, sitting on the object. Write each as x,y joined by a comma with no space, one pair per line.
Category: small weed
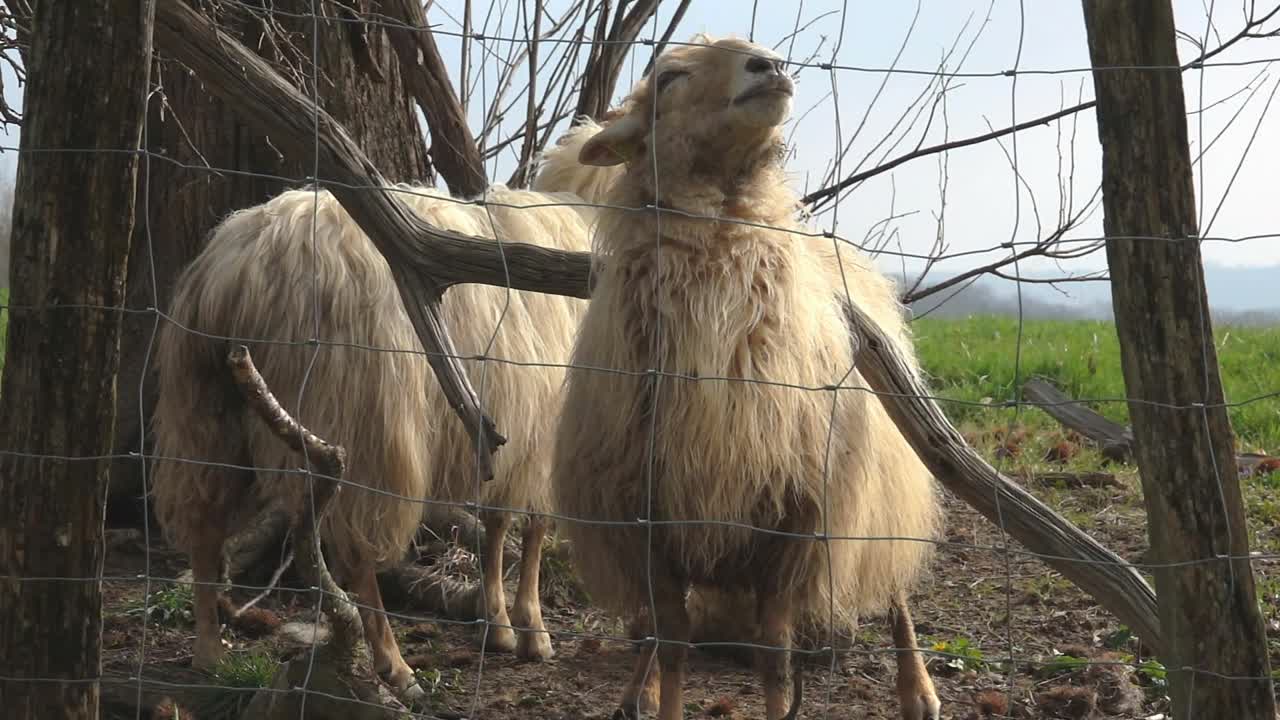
1060,664
169,606
1154,672
1118,639
439,683
235,675
246,670
961,655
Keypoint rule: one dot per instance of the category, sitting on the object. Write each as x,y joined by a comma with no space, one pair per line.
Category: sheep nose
759,64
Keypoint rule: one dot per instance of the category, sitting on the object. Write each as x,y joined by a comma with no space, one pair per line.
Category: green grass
973,360
245,670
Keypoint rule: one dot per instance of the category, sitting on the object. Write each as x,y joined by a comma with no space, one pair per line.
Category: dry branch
816,199
423,255
239,76
453,149
343,667
1075,554
604,65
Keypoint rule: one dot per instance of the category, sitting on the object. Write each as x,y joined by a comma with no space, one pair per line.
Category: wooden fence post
88,71
1216,648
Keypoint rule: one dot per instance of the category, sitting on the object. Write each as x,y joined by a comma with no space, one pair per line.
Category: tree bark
453,148
1216,649
88,73
207,163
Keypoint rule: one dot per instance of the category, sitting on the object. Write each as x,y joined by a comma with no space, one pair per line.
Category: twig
605,62
347,653
666,34
820,197
521,174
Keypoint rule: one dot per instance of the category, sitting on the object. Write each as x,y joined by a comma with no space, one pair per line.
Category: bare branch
347,651
605,63
666,34
820,197
531,108
1044,248
453,149
1104,575
241,77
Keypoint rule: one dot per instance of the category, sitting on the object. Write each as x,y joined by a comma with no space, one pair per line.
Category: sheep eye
665,78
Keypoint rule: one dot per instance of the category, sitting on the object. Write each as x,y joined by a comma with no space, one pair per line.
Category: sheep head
710,103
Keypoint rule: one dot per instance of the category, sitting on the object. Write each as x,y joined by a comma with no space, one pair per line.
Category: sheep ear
620,141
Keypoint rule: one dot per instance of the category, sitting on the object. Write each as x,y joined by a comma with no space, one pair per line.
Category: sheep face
722,97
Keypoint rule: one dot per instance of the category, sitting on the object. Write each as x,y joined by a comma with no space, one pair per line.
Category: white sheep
698,393
296,268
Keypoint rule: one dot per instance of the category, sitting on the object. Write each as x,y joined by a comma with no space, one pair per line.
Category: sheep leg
774,610
641,693
534,642
674,629
206,567
916,695
387,660
496,634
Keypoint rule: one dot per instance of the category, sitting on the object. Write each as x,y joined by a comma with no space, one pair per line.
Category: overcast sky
984,205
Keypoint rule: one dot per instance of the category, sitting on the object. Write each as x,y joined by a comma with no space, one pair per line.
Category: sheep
368,386
698,389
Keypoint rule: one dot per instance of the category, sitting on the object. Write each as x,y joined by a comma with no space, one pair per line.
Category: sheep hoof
412,695
401,679
497,638
534,645
923,705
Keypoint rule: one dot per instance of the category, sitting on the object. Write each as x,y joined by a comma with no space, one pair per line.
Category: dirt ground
978,608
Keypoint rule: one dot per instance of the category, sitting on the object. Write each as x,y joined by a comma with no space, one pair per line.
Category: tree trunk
1182,434
73,220
195,136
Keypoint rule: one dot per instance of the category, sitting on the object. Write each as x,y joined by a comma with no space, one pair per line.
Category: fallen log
1113,439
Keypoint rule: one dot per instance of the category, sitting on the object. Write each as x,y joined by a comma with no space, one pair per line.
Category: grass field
974,359
983,358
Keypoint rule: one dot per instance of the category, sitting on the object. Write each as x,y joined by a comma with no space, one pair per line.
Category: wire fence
971,552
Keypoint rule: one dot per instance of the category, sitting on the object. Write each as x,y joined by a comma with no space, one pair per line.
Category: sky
860,103
985,203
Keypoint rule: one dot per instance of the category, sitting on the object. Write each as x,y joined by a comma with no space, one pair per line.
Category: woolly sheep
743,324
368,386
